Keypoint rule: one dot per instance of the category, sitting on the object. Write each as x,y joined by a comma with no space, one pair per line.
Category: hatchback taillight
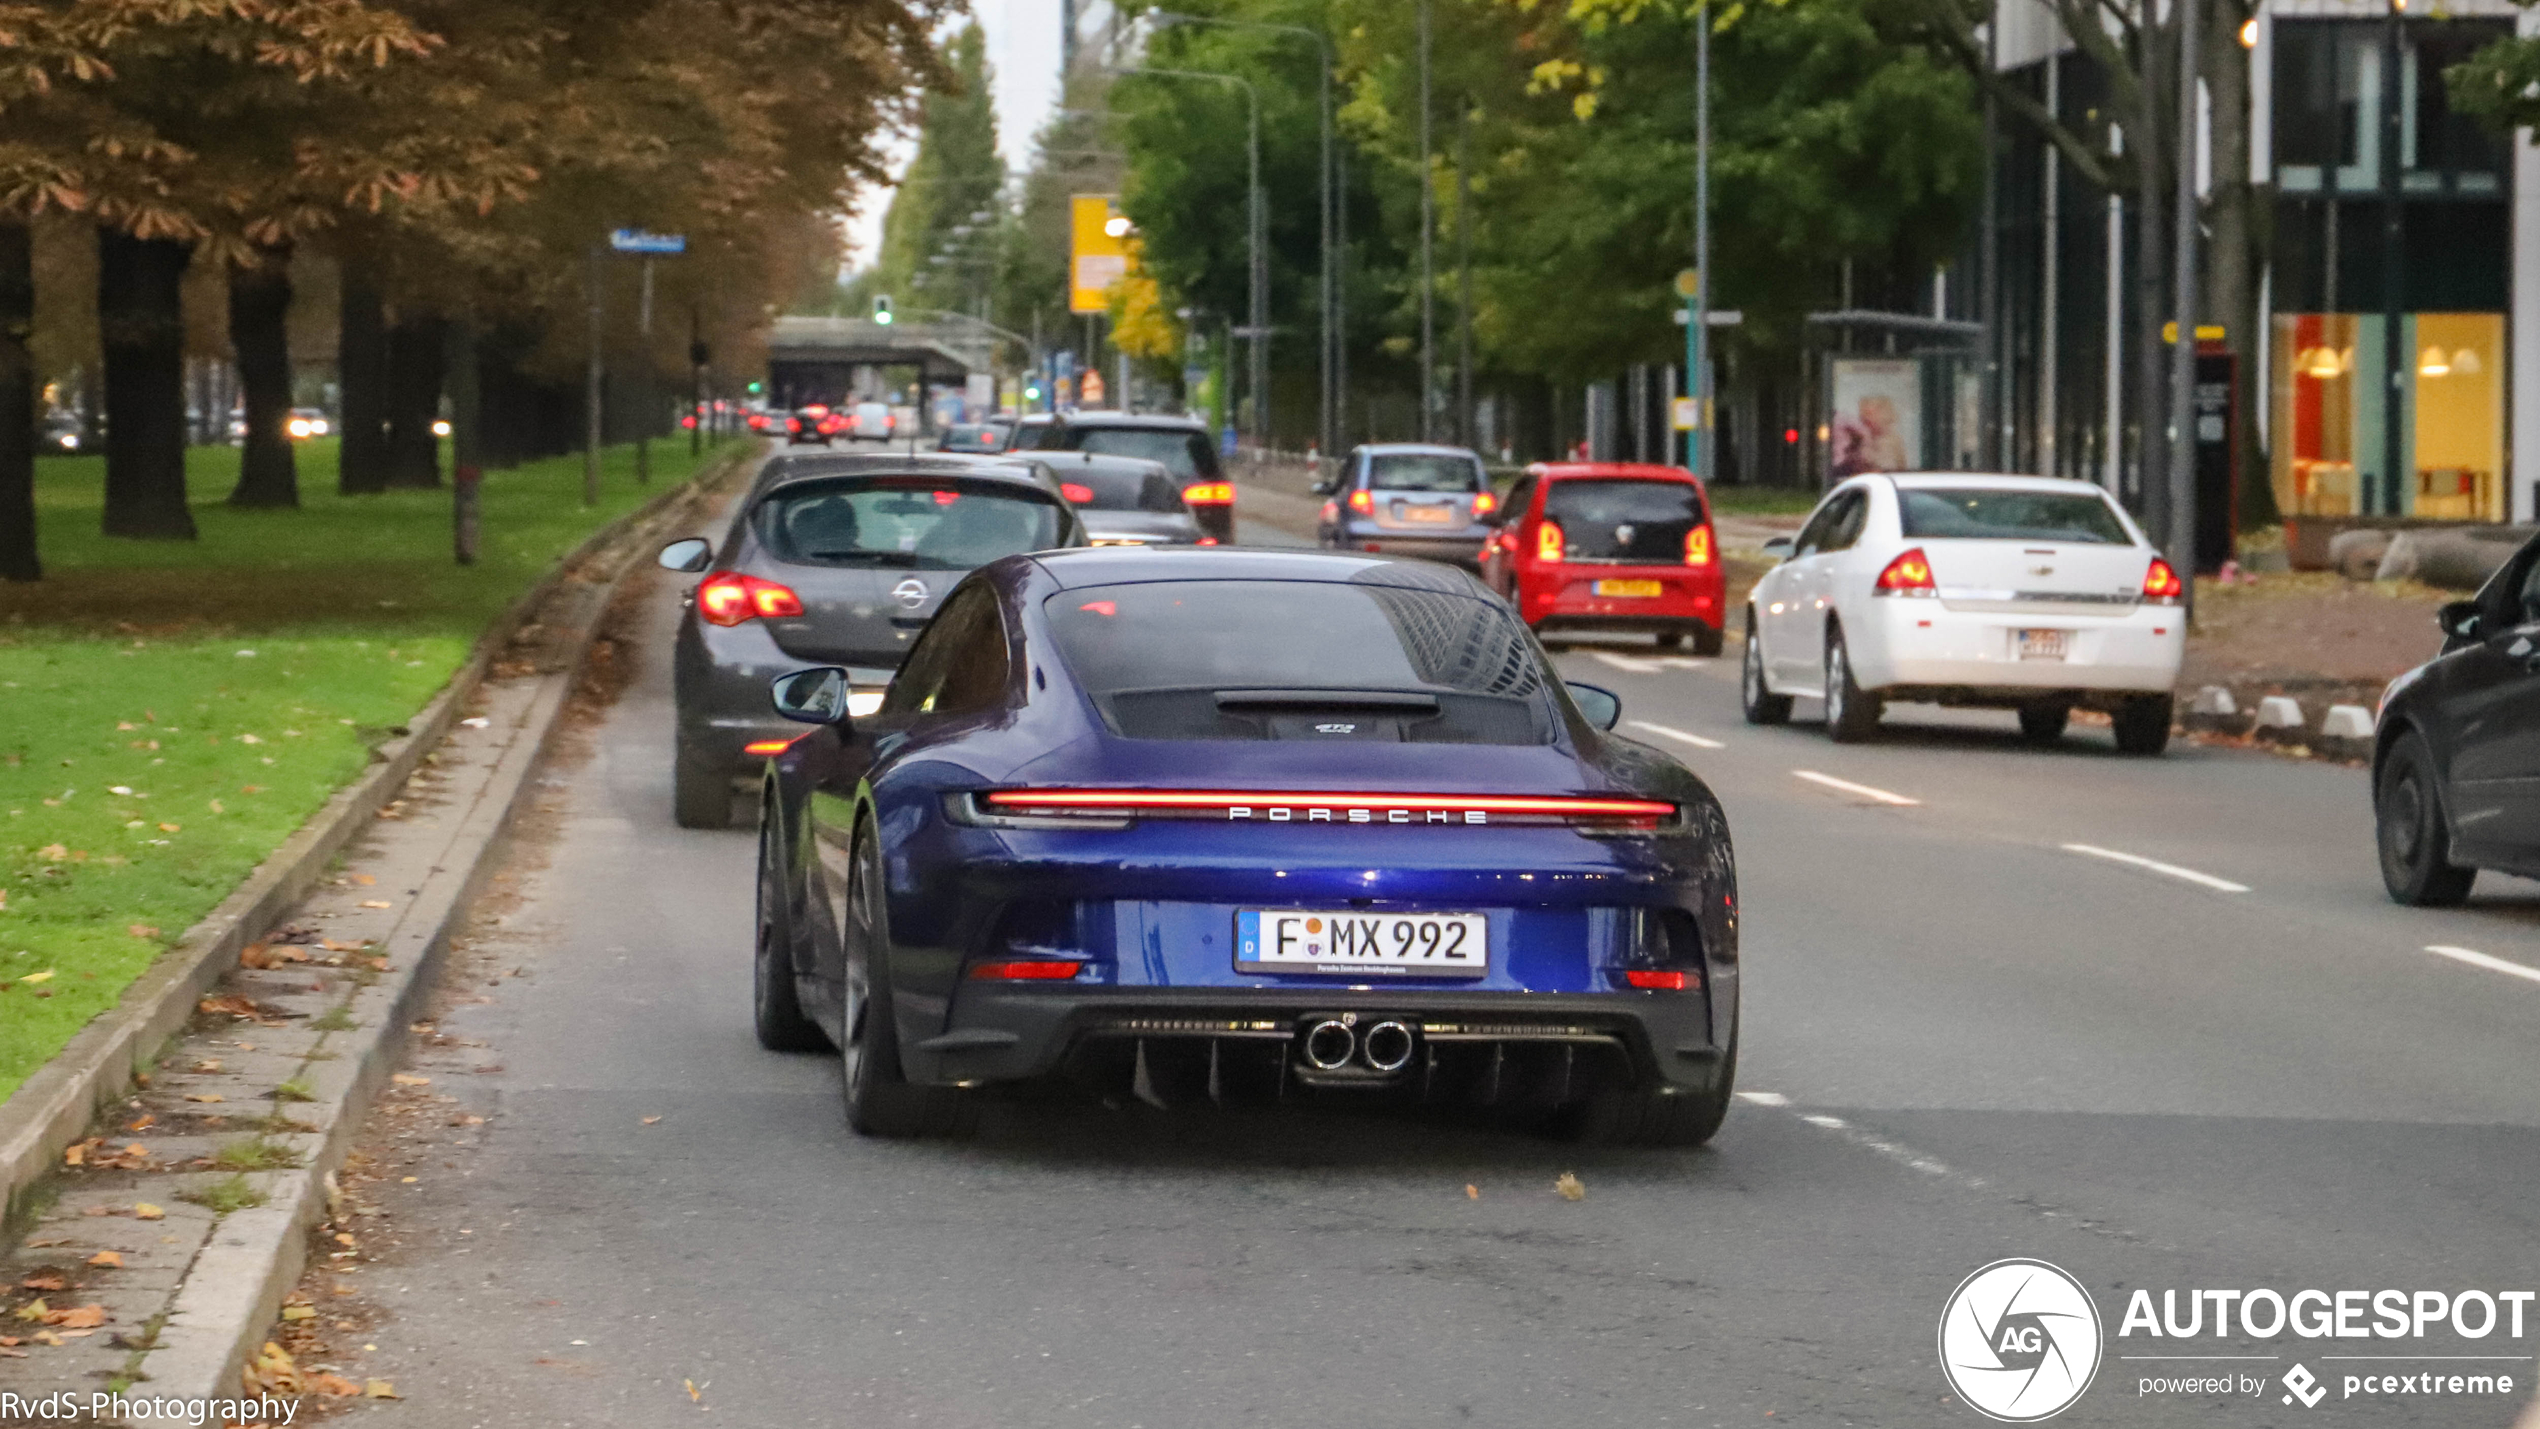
1908,574
1210,493
1363,502
2161,585
1698,546
1077,495
1484,503
1549,542
728,598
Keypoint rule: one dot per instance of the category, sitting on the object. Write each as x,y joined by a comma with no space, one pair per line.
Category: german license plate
1631,590
2044,644
1434,515
1354,944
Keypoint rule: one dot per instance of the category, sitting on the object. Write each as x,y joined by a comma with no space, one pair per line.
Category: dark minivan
1180,443
836,560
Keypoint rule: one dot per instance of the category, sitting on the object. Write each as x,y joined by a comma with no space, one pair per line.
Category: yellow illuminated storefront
2328,374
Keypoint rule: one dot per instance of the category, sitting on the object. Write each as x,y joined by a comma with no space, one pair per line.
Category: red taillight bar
1326,798
1036,970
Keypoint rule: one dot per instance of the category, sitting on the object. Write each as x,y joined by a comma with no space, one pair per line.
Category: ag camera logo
2019,1341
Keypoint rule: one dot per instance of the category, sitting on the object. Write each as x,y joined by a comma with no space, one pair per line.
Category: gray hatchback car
1408,499
832,560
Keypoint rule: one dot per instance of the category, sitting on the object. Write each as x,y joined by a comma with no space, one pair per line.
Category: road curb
53,1107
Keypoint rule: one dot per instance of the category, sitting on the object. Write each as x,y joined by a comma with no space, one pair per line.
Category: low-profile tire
1648,1116
1761,704
881,1101
2415,846
1852,714
2044,724
2143,724
1709,640
700,793
775,999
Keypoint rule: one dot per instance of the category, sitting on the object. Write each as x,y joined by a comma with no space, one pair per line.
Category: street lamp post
1697,326
1257,216
2183,260
1328,356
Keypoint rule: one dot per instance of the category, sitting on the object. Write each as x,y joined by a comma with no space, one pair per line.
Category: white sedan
1956,588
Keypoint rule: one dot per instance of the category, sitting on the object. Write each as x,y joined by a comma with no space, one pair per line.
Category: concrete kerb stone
54,1107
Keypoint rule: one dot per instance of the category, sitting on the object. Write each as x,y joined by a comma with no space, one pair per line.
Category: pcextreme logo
2019,1341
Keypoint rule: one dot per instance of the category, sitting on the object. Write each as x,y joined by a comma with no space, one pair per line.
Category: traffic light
882,309
757,387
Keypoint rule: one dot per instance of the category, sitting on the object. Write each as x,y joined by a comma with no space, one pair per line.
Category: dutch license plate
1307,940
2044,644
1435,515
1632,590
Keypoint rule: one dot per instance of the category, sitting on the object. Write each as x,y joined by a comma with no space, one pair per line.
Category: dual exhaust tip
1384,1047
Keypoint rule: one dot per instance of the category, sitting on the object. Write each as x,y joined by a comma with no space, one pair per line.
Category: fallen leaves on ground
377,903
265,955
1472,1192
1570,1186
111,1260
52,853
47,1281
364,879
648,1121
382,1389
334,1386
143,930
146,1211
693,1396
144,1123
272,1370
234,1006
204,1097
409,1079
44,976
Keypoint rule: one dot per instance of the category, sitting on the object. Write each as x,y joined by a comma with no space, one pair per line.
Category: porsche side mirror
1778,547
2459,619
1602,706
814,696
692,555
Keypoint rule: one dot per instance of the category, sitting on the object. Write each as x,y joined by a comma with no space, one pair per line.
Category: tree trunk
2231,254
259,309
18,561
362,373
417,357
141,325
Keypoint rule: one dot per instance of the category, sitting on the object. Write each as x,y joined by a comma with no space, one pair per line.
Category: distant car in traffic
1124,501
975,437
831,560
307,422
871,422
1181,444
62,434
2027,593
812,424
1610,546
1231,825
2456,750
1408,499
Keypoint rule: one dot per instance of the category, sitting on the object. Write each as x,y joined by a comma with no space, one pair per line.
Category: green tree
940,238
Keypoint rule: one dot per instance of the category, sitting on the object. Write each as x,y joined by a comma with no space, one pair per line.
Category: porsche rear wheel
1649,1116
880,1100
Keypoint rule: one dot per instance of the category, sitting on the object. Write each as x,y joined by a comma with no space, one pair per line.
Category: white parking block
2214,700
2346,722
2279,712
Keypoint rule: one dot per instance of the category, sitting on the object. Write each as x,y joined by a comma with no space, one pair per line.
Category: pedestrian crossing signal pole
1695,284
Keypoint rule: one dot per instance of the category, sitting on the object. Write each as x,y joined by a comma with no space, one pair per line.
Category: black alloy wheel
775,1000
1852,714
1761,704
880,1100
2143,724
1654,1116
700,793
2408,826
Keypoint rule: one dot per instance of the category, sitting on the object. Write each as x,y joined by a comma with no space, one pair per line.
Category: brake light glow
1549,541
1484,503
1908,574
1656,980
1076,494
1032,970
2161,585
767,746
1363,502
1331,806
728,598
1210,493
1698,546
946,498
1207,541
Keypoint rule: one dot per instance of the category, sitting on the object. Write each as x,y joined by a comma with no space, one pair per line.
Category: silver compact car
1408,499
1126,501
837,560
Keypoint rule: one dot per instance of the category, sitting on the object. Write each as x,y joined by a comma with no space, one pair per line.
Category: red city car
1610,546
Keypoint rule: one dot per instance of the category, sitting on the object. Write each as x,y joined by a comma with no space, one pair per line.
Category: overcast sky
1023,55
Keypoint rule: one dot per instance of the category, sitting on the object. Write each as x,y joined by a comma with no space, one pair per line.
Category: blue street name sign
636,240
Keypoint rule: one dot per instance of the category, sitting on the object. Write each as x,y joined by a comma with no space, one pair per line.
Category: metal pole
644,379
1428,226
467,441
1327,435
2395,356
1259,204
696,386
2183,263
1992,411
591,386
1464,274
1697,329
2050,285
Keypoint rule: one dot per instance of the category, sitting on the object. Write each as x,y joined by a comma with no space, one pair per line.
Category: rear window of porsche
907,524
1303,660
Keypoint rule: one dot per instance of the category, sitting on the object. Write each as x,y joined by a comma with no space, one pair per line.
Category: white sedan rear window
1977,514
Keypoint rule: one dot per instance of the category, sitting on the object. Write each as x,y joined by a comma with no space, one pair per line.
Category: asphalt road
1964,1041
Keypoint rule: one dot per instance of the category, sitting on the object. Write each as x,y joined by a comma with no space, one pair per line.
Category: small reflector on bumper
1036,970
1657,980
767,746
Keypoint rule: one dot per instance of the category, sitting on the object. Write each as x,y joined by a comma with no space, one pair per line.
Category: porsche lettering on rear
1282,813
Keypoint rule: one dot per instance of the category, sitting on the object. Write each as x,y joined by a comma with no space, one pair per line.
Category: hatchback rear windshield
910,525
1422,471
1185,454
1976,514
1307,660
1624,520
1095,489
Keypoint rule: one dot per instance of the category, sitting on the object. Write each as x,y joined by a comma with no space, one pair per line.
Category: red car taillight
1549,541
1335,806
1363,502
793,424
1022,970
1908,574
728,598
2161,585
1079,495
1698,546
1210,493
1484,503
1661,980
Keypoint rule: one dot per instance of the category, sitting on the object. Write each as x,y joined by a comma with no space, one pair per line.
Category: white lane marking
1632,663
2206,880
1764,1098
1904,1156
1684,662
1697,741
1847,786
2481,960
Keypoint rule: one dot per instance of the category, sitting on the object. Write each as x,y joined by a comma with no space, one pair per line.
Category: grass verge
171,711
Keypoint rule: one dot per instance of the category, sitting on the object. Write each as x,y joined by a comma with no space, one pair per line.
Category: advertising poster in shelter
1877,422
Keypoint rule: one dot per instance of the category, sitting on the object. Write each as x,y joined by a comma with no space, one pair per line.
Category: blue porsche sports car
1224,823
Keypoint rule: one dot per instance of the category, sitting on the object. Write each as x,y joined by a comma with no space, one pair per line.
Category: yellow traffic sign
1098,257
2205,332
1688,283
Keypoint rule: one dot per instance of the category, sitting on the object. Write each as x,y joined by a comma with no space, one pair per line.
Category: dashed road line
1632,663
1697,741
1764,1098
1883,796
2136,860
2478,959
